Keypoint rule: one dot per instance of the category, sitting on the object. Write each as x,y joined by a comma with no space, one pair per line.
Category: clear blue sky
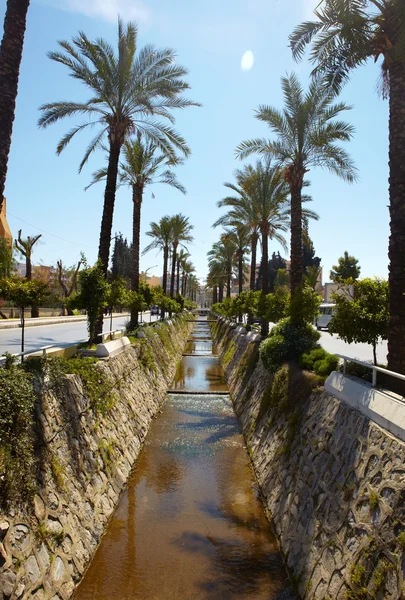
210,38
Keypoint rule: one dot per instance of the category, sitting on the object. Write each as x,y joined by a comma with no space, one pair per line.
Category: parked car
154,310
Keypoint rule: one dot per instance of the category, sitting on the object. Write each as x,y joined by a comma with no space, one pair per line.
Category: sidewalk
13,323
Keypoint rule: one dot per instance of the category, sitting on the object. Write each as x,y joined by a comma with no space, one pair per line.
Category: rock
19,590
43,557
20,538
58,569
39,508
4,527
32,569
7,582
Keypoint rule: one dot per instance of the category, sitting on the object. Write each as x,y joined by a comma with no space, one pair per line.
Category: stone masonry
45,548
333,481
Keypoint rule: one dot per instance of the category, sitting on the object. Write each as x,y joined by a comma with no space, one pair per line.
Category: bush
287,342
273,352
320,361
17,400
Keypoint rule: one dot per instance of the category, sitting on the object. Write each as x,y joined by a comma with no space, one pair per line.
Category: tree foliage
347,268
363,318
93,296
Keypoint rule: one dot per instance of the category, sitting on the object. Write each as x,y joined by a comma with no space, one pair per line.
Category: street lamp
148,269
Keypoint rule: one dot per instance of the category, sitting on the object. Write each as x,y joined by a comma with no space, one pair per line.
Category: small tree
117,295
363,318
25,248
24,293
67,291
347,268
93,296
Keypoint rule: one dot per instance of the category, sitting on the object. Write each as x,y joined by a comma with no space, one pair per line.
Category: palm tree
128,90
162,237
10,60
181,260
239,236
307,133
222,259
181,232
345,35
263,203
142,166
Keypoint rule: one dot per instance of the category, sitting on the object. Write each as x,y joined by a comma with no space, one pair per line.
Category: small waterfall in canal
190,524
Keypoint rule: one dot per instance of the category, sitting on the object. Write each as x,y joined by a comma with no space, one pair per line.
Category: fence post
374,382
344,365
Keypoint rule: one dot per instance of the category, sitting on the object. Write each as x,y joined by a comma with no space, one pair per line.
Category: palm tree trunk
240,271
214,294
253,262
396,249
296,273
178,278
107,219
182,283
228,286
137,194
165,261
174,256
221,292
265,261
10,60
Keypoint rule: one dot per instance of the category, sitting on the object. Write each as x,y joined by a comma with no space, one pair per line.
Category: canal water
190,525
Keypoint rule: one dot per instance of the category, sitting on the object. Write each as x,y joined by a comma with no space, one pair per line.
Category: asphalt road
60,335
363,352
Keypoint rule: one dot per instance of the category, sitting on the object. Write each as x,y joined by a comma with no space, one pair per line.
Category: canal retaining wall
333,481
86,459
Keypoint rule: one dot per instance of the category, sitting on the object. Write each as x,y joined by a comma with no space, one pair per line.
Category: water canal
190,524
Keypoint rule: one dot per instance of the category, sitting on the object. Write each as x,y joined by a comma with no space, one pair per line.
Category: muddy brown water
190,524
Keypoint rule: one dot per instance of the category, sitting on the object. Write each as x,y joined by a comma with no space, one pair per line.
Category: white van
326,313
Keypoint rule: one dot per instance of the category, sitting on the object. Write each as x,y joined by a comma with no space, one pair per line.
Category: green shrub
287,342
308,359
273,352
320,361
327,365
17,398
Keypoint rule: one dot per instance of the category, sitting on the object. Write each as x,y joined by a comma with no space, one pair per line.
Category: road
61,335
363,352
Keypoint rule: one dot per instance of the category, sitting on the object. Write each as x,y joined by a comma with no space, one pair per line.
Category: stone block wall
333,481
84,466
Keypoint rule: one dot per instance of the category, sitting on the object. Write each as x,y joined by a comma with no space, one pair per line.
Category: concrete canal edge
45,548
333,481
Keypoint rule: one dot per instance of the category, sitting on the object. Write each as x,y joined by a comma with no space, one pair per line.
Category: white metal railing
374,368
111,333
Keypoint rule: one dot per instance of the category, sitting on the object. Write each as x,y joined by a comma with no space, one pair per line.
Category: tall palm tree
162,235
239,236
222,258
142,166
182,258
263,201
344,36
307,133
128,89
10,60
188,270
181,232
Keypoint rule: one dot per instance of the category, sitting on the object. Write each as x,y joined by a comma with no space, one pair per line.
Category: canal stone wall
86,460
333,481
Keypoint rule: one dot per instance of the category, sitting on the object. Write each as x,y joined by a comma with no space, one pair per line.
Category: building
4,228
